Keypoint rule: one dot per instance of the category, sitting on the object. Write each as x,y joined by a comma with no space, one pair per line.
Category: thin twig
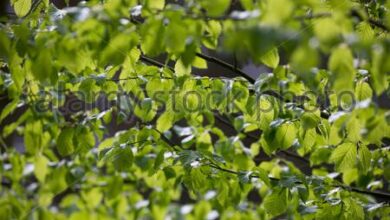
154,62
256,139
225,65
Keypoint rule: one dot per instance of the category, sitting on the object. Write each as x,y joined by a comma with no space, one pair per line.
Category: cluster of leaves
173,160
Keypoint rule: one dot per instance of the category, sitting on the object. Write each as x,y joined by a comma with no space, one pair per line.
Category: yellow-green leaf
21,7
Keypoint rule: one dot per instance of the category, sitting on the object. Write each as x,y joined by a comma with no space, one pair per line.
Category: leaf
310,120
120,156
40,168
145,110
214,29
5,45
8,109
364,158
244,177
165,121
215,7
85,140
175,37
151,43
281,137
263,175
276,203
265,112
65,145
181,69
277,11
353,210
188,157
380,66
159,159
21,7
341,66
116,50
365,31
247,4
344,156
363,91
33,132
156,4
41,67
350,176
271,58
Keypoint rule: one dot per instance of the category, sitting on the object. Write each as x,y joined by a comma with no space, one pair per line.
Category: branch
380,194
313,16
154,62
256,139
373,22
225,65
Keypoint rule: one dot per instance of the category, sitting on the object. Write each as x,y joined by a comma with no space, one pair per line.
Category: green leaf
277,11
341,66
21,7
247,4
120,156
263,175
159,159
364,158
5,45
145,110
310,120
265,112
214,29
116,50
40,168
175,37
271,58
33,132
65,145
155,4
353,210
187,157
344,156
281,137
181,69
8,109
363,91
42,66
380,66
165,121
276,203
85,140
215,7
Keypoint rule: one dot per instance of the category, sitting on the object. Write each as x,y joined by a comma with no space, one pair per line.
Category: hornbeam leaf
165,121
65,145
344,156
276,203
120,156
21,7
271,58
364,158
341,66
215,7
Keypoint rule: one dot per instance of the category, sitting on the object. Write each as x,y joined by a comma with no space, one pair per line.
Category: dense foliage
71,75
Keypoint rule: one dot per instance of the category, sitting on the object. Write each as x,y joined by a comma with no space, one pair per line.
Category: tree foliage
320,102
